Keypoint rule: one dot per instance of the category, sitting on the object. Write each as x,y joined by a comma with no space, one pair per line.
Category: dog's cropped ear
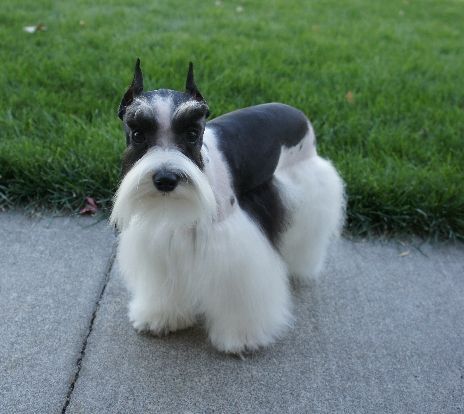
190,86
192,90
135,89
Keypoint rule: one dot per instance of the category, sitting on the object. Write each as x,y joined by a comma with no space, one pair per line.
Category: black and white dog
215,216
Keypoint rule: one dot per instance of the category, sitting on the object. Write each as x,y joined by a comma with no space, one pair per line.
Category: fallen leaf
405,253
90,206
34,29
349,97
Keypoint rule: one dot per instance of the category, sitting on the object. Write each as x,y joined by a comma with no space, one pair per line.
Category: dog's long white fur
194,254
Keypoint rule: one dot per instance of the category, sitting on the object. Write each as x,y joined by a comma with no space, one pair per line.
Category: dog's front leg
151,312
250,311
159,304
247,301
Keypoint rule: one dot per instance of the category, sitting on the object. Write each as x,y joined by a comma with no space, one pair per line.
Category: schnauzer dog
214,217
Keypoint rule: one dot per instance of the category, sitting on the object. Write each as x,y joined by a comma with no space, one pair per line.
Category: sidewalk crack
106,279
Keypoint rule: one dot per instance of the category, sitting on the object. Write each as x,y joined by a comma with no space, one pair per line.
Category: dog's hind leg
314,194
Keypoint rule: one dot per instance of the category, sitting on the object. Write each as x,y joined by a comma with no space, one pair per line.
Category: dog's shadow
194,340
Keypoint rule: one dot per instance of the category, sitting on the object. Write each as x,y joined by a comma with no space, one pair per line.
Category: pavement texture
51,273
382,331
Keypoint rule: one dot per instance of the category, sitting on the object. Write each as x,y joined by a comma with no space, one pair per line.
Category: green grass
398,144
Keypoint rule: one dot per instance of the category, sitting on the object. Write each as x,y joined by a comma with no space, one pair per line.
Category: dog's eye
192,136
138,137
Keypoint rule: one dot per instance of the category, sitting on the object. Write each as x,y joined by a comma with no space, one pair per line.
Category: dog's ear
135,89
190,86
192,90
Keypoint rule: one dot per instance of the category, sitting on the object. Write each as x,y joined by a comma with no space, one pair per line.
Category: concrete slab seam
80,359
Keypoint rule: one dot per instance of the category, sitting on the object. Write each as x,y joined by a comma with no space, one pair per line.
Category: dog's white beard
192,201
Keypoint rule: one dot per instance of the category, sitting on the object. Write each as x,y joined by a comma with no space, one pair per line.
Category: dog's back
257,142
251,140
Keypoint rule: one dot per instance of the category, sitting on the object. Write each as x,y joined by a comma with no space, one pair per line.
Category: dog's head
163,162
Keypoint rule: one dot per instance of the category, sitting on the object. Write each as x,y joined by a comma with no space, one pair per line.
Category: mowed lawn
381,81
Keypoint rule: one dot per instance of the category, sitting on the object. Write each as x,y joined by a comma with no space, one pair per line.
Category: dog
216,216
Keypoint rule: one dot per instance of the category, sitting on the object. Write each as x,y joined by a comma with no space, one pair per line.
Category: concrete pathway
382,331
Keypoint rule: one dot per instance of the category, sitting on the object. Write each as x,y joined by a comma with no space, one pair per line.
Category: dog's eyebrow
141,119
189,112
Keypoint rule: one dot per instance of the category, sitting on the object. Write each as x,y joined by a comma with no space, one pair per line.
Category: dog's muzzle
165,181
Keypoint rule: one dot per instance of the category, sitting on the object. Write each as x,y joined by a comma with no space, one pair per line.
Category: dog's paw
158,324
147,326
239,343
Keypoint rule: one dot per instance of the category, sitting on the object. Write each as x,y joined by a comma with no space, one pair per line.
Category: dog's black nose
165,181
